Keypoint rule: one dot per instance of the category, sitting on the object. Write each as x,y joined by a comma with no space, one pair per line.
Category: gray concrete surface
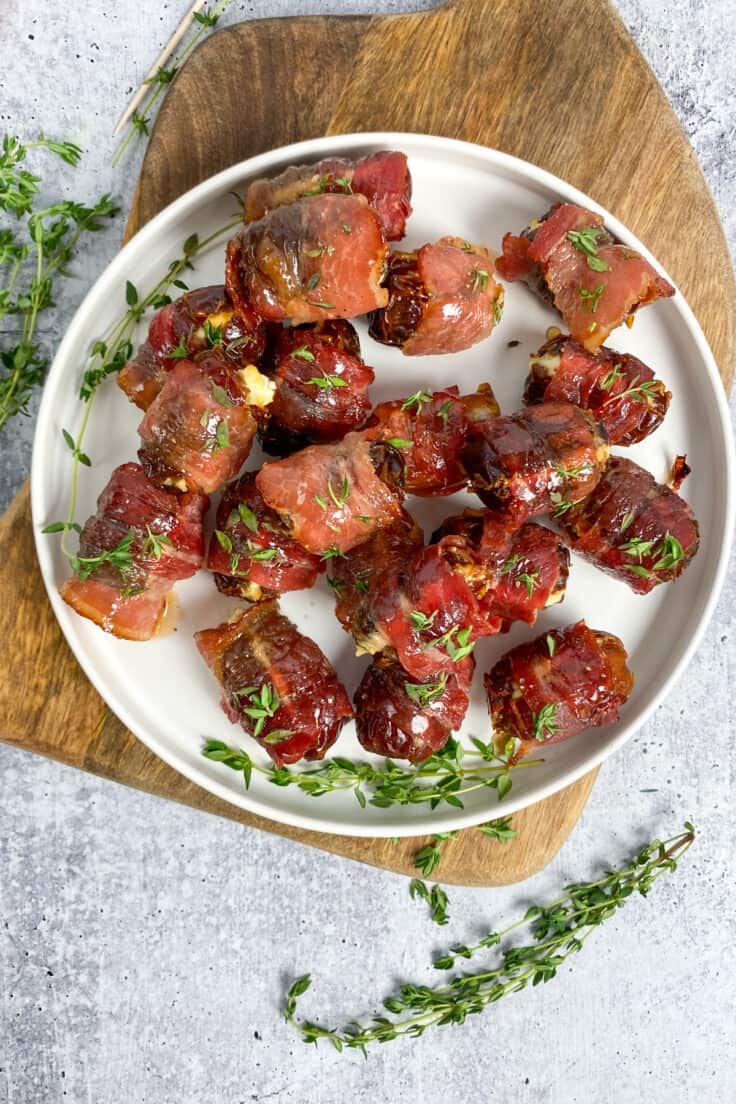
143,948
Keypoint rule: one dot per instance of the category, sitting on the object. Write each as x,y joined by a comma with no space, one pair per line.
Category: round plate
162,690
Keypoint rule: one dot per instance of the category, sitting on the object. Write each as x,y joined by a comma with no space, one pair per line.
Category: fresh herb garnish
179,352
302,353
480,279
591,298
155,543
611,377
141,119
32,262
400,442
212,334
584,240
339,497
640,392
558,930
424,693
119,557
417,399
248,517
326,382
421,621
435,897
561,506
444,777
263,704
543,722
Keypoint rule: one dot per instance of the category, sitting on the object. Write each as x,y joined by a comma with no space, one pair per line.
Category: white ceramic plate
162,690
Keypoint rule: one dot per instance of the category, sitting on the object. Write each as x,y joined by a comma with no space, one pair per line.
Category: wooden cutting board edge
110,751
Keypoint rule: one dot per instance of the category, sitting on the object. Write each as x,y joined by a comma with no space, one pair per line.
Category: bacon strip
163,542
183,326
555,686
250,551
320,257
321,386
620,390
383,178
198,431
333,497
276,683
634,528
441,299
536,461
570,258
397,717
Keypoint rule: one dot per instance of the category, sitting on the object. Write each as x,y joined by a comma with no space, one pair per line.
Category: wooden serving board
553,81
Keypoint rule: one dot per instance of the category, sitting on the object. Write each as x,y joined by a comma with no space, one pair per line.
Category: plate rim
314,148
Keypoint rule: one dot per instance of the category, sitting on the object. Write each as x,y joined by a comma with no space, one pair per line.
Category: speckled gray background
143,947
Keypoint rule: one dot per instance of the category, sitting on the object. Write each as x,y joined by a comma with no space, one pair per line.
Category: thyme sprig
447,776
110,353
558,930
141,119
30,263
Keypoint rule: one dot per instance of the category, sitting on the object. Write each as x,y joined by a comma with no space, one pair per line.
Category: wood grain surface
555,82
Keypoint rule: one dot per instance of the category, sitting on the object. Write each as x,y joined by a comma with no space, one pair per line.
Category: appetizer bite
276,683
320,257
431,431
513,573
334,497
321,386
197,321
403,719
556,686
198,431
383,178
251,553
441,299
536,461
620,390
429,605
570,260
132,550
632,527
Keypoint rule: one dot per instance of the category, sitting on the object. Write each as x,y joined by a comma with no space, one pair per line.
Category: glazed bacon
634,528
620,390
321,386
276,683
369,581
536,461
198,431
409,720
431,431
320,257
132,550
513,573
573,261
556,686
441,299
250,551
333,497
186,328
383,178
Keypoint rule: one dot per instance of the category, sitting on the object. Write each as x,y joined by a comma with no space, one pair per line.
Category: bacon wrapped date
333,497
369,580
383,178
513,573
276,683
198,431
431,431
441,299
556,686
409,720
320,257
132,550
536,461
620,390
250,551
189,325
632,527
595,283
321,386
